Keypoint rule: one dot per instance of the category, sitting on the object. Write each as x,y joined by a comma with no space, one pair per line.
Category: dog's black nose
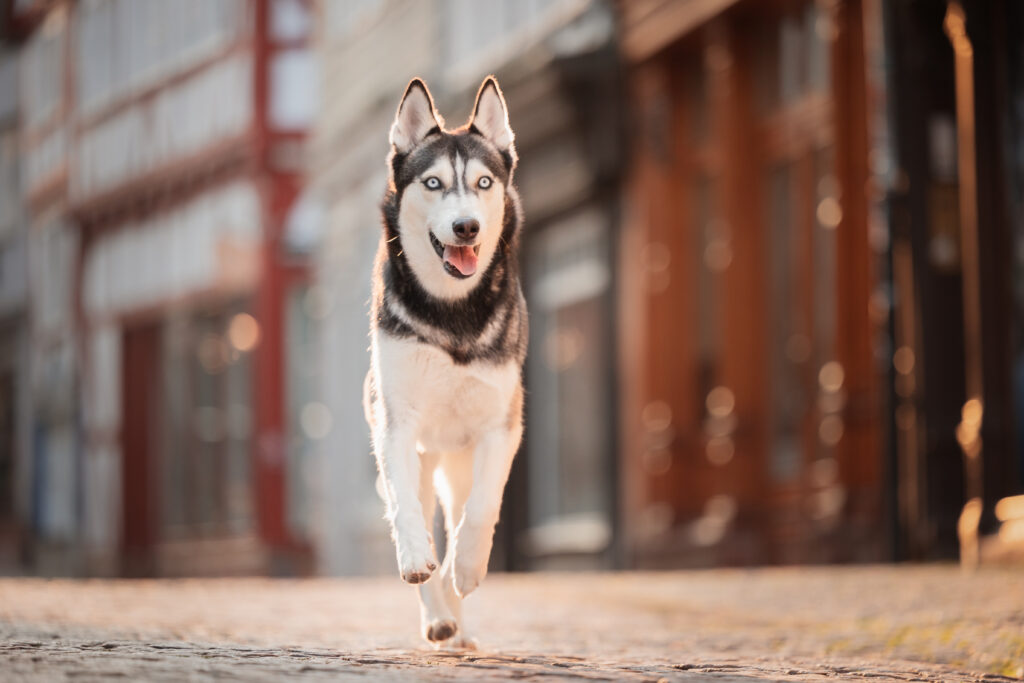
466,228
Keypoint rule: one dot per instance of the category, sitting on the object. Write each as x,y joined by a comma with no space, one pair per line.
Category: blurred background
774,258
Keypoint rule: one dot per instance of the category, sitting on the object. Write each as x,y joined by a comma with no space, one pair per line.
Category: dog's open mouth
459,261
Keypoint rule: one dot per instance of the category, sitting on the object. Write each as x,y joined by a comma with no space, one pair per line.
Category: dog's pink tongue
463,258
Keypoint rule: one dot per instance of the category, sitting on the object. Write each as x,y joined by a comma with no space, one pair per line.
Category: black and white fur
444,393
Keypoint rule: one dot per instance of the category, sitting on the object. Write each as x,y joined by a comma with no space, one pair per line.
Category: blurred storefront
792,321
773,248
50,469
957,261
751,416
162,147
14,346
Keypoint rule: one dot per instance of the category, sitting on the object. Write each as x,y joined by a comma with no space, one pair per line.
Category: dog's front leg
492,461
400,466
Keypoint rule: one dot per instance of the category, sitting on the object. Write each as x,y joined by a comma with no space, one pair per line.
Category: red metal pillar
269,385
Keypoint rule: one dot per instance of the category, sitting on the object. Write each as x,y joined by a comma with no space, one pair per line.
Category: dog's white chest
450,405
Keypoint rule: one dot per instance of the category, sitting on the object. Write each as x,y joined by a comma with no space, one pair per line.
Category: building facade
755,394
161,157
819,317
772,256
957,232
14,341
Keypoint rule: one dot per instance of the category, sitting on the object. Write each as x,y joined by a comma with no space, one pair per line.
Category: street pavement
908,623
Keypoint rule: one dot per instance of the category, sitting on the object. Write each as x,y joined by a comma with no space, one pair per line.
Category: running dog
448,328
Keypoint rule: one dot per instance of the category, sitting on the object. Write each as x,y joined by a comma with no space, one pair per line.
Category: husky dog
444,394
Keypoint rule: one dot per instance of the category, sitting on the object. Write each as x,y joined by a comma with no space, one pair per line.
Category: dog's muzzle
459,261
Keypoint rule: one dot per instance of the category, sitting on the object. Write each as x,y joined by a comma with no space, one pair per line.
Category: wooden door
139,381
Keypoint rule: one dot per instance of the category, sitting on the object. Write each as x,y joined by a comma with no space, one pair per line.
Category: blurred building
773,255
47,477
160,158
753,418
14,342
807,207
955,93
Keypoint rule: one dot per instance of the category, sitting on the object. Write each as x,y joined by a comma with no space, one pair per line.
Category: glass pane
819,31
205,486
828,213
709,260
698,102
786,338
766,68
210,354
301,374
792,59
176,435
237,415
568,444
580,355
544,414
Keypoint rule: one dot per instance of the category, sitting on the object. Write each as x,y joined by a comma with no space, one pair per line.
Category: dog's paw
440,629
417,572
468,576
416,562
472,552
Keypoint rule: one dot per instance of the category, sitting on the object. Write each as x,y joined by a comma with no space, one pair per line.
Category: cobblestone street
879,623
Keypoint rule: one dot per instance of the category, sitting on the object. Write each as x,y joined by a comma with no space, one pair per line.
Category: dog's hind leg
399,464
436,619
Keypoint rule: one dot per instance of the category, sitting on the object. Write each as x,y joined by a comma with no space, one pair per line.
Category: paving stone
863,623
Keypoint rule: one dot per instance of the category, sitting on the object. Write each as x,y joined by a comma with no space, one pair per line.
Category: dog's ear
415,117
490,116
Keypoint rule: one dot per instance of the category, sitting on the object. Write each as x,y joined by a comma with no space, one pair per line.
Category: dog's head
450,187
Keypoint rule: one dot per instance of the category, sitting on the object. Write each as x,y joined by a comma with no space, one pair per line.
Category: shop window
568,402
794,57
711,257
309,419
205,482
803,211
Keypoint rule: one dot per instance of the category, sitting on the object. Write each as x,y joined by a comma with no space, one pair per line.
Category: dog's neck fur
486,324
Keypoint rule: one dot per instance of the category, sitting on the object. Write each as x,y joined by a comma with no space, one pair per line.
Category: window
205,486
42,72
124,45
802,212
568,406
294,83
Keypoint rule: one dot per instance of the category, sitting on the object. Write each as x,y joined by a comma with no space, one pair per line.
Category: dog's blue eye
484,182
432,183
